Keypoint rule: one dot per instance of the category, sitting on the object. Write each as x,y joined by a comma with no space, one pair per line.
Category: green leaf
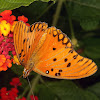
87,12
89,24
95,89
92,48
90,96
64,89
48,0
12,4
46,94
18,69
83,9
67,90
93,52
38,8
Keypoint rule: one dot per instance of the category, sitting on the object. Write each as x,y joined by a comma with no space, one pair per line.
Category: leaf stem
45,11
25,90
58,9
70,22
71,27
34,83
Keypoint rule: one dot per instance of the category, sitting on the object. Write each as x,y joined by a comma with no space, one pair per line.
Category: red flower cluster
7,22
15,82
8,94
31,97
6,15
12,94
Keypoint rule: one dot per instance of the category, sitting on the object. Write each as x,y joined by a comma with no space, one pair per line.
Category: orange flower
2,59
4,63
8,63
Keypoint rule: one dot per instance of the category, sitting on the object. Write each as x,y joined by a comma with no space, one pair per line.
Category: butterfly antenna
20,76
31,88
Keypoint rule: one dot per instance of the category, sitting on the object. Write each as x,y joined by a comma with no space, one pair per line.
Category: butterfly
49,52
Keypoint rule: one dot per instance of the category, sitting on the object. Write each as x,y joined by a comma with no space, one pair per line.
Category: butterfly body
49,52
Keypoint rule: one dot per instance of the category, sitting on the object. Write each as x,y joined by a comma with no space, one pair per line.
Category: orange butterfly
49,52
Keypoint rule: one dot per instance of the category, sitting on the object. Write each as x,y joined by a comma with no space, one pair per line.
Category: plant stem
70,22
34,83
71,27
58,9
44,11
26,89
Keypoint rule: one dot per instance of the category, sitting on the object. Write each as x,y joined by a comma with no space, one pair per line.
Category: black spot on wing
24,55
54,48
52,69
75,56
54,59
60,70
57,74
71,51
65,59
23,41
22,50
19,55
69,64
81,59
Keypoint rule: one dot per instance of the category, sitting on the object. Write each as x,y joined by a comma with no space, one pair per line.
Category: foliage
80,20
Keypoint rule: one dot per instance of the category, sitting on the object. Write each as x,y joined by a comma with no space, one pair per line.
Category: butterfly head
26,72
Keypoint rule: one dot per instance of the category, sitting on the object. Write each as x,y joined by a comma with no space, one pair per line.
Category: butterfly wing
26,39
57,58
49,52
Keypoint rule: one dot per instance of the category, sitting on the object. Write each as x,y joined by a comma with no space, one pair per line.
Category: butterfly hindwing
57,58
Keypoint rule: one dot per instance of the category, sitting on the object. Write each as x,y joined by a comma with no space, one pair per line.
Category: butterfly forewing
26,39
20,36
58,59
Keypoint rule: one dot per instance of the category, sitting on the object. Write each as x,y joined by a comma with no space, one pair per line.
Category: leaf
86,8
67,90
90,96
89,24
87,12
46,94
93,52
12,4
38,8
92,48
48,0
18,69
95,89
